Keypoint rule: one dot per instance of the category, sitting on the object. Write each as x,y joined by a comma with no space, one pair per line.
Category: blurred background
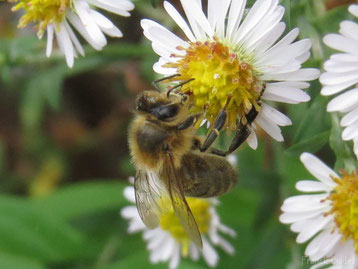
64,158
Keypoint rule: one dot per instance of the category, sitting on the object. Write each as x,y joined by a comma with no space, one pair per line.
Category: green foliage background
64,159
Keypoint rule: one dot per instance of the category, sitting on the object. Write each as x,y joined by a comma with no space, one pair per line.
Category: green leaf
314,121
343,151
16,262
83,199
33,234
139,259
311,144
155,3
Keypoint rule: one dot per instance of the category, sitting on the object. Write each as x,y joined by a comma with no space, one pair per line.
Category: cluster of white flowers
271,66
55,16
342,73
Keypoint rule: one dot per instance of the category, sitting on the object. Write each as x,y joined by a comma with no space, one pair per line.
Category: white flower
342,73
329,214
166,245
232,57
55,16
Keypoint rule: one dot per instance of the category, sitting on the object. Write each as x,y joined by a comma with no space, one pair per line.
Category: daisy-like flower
55,16
329,214
342,74
169,242
232,58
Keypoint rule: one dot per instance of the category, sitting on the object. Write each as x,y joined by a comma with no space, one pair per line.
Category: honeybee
169,163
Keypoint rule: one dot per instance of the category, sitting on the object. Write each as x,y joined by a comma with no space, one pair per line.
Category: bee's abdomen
206,175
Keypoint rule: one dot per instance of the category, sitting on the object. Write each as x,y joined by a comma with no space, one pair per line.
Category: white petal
50,30
349,29
312,227
312,186
318,169
194,252
275,115
179,20
65,44
353,9
304,74
74,39
331,78
225,245
220,15
298,216
350,132
335,88
340,66
344,101
77,23
209,253
237,9
280,93
263,28
129,194
162,36
198,22
174,261
326,243
266,42
252,140
269,127
129,212
341,43
83,11
256,13
158,68
350,118
118,7
105,24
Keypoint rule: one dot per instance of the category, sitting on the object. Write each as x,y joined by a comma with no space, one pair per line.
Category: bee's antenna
179,86
155,82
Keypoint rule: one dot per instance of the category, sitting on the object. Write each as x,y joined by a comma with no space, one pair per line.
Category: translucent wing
149,193
180,206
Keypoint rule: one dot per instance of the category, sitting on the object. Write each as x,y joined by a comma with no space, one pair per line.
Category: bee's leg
241,135
178,86
188,122
218,125
155,82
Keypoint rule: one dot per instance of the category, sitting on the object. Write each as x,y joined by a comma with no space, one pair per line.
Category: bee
169,163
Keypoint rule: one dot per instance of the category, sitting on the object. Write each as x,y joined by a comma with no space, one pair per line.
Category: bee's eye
165,112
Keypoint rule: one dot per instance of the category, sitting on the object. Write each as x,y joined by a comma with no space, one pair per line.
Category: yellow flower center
42,12
220,77
345,206
171,223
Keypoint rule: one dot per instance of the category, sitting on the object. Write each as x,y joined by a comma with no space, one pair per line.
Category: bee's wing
148,195
180,205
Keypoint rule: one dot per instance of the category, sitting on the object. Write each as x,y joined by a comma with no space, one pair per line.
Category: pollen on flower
220,78
42,12
171,223
344,200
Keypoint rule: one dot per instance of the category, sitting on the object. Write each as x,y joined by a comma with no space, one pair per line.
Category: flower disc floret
218,78
42,12
171,223
344,200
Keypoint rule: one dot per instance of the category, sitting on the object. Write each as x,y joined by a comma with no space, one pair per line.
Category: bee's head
158,105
